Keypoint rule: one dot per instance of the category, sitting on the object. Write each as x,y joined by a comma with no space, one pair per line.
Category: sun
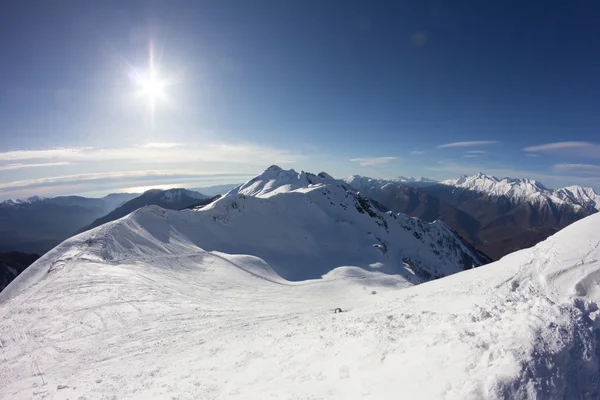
153,89
151,85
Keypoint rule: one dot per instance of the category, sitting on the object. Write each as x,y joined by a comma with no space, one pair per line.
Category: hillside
150,306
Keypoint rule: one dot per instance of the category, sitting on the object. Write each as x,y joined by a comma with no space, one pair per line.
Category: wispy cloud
162,145
9,167
467,144
417,152
470,156
162,153
578,168
58,153
532,155
78,179
585,149
476,152
373,161
557,146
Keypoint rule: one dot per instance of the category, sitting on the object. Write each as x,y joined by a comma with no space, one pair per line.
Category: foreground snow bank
194,324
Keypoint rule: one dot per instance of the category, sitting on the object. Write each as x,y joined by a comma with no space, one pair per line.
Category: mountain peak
324,175
275,180
274,168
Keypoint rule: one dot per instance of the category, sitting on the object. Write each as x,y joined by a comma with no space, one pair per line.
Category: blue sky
429,88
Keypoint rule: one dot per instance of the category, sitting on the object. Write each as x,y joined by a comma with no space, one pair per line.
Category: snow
522,189
29,200
410,179
138,309
579,195
364,183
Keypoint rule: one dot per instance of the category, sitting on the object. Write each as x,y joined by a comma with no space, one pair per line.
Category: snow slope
529,190
211,325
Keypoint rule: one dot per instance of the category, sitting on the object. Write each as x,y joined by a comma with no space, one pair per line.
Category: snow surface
136,309
522,189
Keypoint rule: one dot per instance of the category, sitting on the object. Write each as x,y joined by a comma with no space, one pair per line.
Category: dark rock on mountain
12,264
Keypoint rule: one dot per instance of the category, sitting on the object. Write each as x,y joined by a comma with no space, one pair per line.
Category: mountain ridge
524,189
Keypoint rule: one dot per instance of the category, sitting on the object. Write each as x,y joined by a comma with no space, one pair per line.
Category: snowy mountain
321,223
415,181
28,200
587,198
416,202
37,224
498,216
150,306
364,183
172,199
519,190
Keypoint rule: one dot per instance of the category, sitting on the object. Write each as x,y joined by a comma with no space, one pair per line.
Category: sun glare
153,89
150,84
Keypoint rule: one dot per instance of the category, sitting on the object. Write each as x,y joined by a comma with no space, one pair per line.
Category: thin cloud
578,168
583,149
9,167
417,152
532,155
467,144
163,153
78,179
58,153
476,152
557,146
373,161
162,145
470,156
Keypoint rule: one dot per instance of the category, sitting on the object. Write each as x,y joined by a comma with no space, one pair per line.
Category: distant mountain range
519,191
498,216
215,190
37,224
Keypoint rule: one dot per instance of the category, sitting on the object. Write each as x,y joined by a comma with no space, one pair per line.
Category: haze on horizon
99,97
